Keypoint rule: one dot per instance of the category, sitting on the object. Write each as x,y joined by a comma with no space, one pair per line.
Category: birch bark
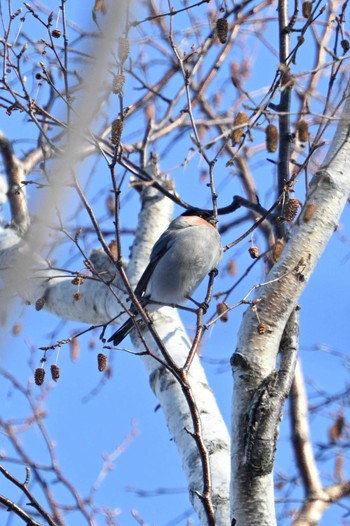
256,354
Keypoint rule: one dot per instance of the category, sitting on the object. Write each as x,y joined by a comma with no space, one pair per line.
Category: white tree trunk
255,357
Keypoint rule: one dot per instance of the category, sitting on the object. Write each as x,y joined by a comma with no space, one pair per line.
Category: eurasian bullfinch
184,254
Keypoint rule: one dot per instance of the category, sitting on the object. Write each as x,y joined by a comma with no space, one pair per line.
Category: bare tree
182,106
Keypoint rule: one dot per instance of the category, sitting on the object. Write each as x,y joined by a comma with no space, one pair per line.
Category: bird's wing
144,279
160,248
158,251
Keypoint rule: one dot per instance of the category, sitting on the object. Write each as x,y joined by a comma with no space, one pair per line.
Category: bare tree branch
13,507
33,501
301,436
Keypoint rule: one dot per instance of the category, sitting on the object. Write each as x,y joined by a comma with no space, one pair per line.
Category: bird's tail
119,335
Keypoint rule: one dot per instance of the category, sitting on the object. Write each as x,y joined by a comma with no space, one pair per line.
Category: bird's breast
189,259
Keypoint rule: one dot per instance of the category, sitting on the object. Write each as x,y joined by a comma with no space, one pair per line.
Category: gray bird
184,254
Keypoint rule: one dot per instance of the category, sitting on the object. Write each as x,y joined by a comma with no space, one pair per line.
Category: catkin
307,9
345,44
78,280
254,252
101,362
117,129
118,83
123,49
55,372
302,130
56,33
271,137
222,310
240,120
291,209
262,328
222,29
39,376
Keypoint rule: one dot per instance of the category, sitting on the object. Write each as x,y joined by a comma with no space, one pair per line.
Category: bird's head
196,214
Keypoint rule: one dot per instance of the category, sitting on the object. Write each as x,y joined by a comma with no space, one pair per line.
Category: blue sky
84,428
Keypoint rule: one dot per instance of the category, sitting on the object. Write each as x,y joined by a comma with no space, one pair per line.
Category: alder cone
222,29
254,252
117,129
101,362
78,280
39,376
345,44
271,136
262,328
302,130
56,33
291,209
240,119
222,310
55,372
307,9
337,429
113,247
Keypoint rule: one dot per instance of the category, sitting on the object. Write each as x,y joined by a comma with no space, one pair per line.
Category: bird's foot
201,305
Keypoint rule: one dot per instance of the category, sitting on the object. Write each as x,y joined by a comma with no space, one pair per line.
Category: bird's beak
213,221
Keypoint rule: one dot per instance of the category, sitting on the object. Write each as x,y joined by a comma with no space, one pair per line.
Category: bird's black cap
205,214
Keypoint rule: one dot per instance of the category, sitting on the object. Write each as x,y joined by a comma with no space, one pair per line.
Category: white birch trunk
255,357
153,222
